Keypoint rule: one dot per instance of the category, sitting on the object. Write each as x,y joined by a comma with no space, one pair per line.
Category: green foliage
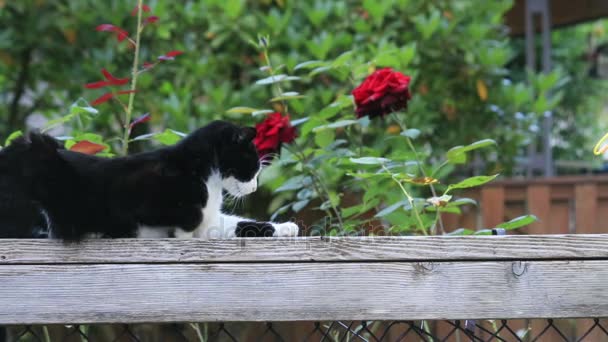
468,90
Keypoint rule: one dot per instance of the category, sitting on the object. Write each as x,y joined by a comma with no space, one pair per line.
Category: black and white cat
174,191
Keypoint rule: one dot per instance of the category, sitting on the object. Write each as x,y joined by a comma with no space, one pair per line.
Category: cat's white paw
285,229
182,234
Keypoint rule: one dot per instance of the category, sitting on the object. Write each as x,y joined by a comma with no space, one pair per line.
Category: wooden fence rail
382,278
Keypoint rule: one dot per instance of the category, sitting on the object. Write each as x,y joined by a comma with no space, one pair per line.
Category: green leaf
287,96
299,121
461,231
370,160
391,209
12,137
295,183
337,124
518,222
343,59
310,65
262,112
457,155
168,137
472,182
297,206
411,133
366,175
276,79
324,138
77,110
242,110
320,70
461,201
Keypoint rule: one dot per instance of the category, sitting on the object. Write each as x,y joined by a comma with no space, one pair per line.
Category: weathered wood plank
45,294
310,249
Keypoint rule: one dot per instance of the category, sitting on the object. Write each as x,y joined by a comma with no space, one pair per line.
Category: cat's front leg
229,226
286,229
248,228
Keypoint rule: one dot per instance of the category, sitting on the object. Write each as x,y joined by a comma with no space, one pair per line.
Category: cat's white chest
210,227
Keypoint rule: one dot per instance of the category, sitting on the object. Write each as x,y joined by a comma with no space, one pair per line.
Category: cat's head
236,157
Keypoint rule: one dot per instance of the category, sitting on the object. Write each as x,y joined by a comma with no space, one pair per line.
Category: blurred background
529,74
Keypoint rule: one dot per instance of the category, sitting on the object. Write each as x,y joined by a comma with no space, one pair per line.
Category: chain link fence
593,329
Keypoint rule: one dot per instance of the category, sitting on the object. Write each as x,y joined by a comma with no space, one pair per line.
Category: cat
175,191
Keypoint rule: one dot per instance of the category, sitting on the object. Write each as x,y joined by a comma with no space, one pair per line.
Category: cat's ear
246,134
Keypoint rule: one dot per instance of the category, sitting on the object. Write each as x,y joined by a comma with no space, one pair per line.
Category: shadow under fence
592,329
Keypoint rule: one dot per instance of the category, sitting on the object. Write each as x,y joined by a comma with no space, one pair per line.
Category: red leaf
120,33
87,147
169,56
148,65
103,98
145,8
173,53
96,85
151,19
106,27
144,118
114,80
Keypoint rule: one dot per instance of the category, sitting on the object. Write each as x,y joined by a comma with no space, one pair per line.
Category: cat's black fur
40,182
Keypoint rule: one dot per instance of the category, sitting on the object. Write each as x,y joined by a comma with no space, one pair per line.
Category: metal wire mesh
593,329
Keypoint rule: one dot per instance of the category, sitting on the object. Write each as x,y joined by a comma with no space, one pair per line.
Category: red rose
273,131
381,93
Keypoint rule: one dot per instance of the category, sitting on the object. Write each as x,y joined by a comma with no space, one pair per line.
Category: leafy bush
456,52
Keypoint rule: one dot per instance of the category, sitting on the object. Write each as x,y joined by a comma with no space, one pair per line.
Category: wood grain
310,249
46,294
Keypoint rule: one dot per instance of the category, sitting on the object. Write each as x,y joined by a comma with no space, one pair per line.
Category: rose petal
382,92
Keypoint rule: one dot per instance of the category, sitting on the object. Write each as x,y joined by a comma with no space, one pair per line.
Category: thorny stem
129,111
410,199
411,146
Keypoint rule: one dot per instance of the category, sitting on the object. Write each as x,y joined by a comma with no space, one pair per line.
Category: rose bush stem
317,182
410,199
422,172
129,111
319,186
277,85
326,190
